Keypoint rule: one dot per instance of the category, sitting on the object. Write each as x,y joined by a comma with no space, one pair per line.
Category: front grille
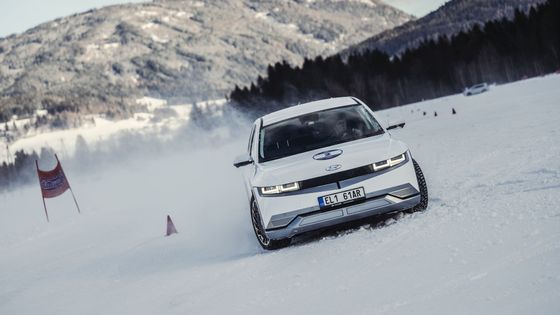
348,174
336,177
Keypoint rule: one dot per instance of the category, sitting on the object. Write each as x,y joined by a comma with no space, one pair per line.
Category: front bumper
282,211
389,200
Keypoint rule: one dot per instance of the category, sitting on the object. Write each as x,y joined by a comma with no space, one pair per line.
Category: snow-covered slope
489,242
180,50
449,19
156,119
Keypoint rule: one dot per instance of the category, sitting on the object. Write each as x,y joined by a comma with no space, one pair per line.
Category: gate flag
53,184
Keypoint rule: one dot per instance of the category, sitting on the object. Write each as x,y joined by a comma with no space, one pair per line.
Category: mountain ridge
101,59
450,18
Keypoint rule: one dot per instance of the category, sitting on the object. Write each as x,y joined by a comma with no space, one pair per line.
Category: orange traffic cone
170,227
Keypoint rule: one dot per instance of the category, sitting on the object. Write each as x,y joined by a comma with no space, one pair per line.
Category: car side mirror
396,125
242,160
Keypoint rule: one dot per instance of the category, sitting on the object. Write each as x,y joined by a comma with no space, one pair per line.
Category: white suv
324,163
476,89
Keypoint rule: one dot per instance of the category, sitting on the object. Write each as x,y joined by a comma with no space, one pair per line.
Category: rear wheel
263,239
423,189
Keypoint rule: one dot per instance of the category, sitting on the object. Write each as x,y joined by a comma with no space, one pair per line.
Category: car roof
306,108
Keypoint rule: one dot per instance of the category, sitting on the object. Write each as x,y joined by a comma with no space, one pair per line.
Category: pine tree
500,51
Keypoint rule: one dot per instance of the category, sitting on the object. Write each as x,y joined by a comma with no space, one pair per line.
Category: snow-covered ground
157,120
489,242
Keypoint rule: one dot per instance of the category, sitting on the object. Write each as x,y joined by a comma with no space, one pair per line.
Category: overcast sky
17,16
418,8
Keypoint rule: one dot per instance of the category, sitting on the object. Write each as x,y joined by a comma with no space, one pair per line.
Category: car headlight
378,166
272,190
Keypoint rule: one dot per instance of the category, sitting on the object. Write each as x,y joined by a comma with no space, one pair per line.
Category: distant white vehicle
476,89
322,163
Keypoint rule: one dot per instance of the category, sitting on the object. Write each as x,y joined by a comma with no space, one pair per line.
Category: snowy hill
183,51
451,18
156,119
489,242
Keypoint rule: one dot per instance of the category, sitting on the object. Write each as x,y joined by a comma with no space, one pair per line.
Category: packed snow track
489,242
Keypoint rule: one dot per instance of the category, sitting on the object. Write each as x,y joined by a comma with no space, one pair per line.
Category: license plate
342,197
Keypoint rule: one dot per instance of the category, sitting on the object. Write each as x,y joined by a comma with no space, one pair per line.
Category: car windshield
478,86
316,130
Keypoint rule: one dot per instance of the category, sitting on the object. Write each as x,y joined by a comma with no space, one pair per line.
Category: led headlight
389,163
272,190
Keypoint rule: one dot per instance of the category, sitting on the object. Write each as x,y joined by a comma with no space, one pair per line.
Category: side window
251,139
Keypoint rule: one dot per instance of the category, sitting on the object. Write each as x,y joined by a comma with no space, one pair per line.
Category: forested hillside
103,60
500,51
452,17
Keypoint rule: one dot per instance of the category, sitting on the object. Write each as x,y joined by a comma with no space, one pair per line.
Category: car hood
302,166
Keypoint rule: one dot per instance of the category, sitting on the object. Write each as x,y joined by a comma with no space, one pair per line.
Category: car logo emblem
333,168
327,155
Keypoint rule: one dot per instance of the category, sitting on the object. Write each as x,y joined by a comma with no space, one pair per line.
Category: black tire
263,240
423,204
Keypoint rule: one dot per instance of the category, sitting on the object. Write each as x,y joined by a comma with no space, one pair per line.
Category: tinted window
316,130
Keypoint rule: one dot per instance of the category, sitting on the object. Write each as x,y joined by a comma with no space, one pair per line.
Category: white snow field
147,123
489,242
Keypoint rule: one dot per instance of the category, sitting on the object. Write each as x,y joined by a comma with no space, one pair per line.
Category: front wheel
423,204
263,239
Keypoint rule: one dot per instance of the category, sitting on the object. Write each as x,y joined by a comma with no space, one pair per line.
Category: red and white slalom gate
53,183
